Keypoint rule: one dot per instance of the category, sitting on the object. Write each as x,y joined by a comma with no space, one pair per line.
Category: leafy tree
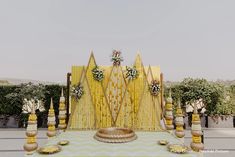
193,91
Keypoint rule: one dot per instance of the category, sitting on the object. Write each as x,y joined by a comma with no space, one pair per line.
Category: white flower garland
155,88
116,58
98,74
131,73
77,91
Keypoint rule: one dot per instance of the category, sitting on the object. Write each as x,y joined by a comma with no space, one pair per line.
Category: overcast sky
41,39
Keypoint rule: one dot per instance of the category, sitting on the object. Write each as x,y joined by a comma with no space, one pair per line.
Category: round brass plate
163,142
115,135
51,149
63,142
178,148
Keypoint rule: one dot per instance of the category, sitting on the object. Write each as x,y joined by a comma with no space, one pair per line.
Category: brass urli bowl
115,135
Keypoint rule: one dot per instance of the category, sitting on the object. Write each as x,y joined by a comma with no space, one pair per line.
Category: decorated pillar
51,121
196,143
62,112
31,132
179,121
169,113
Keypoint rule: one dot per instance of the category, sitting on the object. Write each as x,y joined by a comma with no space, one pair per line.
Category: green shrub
11,103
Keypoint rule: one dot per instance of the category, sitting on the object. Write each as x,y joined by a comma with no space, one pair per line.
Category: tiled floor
218,142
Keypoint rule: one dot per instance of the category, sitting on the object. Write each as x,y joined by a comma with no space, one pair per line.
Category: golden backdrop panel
83,116
97,94
115,101
115,90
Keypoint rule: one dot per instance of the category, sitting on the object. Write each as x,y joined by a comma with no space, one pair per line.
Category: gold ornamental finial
62,92
195,109
51,105
170,93
179,103
33,107
62,112
169,98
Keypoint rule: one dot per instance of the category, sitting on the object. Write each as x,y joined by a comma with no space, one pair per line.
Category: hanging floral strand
131,73
155,87
116,58
77,91
98,74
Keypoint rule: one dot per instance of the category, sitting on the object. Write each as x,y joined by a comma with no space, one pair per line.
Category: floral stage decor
62,112
121,99
179,121
77,91
98,74
169,113
196,143
51,121
116,58
155,87
124,106
131,73
31,132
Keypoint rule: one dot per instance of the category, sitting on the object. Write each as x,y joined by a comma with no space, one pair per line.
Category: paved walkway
218,142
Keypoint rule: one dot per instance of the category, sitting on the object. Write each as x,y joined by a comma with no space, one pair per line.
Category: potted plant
192,91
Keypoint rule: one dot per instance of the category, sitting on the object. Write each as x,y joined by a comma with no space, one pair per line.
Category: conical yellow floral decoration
196,143
31,132
51,121
62,112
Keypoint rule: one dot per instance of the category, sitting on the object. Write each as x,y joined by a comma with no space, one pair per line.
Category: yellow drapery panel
103,116
125,117
115,90
148,117
83,115
155,72
107,72
76,78
136,86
